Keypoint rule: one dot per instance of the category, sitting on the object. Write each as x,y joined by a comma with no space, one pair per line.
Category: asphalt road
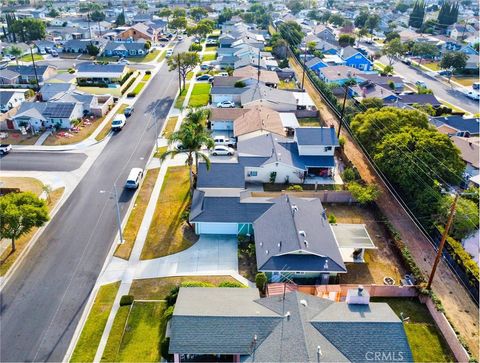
441,90
41,161
42,303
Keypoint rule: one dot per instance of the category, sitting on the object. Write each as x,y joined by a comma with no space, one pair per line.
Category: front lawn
28,57
110,352
97,319
148,58
181,99
159,288
209,57
200,95
65,137
136,216
169,232
309,122
138,88
170,126
139,340
106,129
432,66
465,81
426,341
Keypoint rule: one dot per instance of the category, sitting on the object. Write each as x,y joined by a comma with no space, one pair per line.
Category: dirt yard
379,263
462,312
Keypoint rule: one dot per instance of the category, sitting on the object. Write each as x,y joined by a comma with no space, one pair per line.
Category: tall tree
345,40
454,60
372,23
97,15
183,63
179,12
417,15
165,13
20,213
425,50
192,137
198,13
448,14
15,51
392,50
120,19
361,19
178,22
291,32
29,29
296,6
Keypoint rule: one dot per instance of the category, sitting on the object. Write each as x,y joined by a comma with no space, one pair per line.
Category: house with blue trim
315,64
340,74
355,59
125,49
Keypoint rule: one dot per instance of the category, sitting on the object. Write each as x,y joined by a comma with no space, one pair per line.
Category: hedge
126,300
128,85
231,284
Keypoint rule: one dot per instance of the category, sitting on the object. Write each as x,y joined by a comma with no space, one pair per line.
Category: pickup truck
5,148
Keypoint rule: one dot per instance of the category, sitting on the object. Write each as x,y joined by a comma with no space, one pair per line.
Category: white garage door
217,228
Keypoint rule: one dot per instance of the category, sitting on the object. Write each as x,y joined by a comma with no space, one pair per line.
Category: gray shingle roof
227,90
225,209
6,95
216,320
472,125
100,68
221,175
296,224
316,136
261,92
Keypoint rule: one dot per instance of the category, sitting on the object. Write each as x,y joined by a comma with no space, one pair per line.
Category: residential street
43,301
441,90
42,161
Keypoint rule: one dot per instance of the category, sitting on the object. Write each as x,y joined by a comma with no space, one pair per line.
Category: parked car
128,111
406,61
118,122
206,67
163,39
223,140
5,149
222,150
134,178
123,61
226,104
476,85
474,95
54,53
205,77
421,84
222,74
445,73
169,53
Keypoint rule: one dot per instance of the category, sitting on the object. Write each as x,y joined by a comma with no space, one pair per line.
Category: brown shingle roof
256,119
252,72
469,148
224,114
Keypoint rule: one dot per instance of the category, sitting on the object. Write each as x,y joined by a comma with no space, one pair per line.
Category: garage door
220,98
217,228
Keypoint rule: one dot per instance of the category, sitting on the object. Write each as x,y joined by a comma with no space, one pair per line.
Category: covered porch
352,240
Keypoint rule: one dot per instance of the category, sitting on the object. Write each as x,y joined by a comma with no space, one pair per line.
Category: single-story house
237,325
81,45
368,89
457,125
41,115
228,93
55,90
125,49
95,73
470,153
355,59
28,74
140,31
11,98
339,74
269,78
325,33
42,45
315,64
473,62
9,77
420,99
385,81
220,120
278,100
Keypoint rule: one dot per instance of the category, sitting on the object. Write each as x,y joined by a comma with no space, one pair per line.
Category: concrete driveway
212,254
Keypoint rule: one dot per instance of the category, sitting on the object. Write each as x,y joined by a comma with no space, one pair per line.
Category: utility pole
304,66
442,241
34,69
179,75
343,110
119,220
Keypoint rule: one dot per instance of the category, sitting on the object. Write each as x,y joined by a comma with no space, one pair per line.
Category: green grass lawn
465,81
148,58
432,66
211,48
168,232
287,85
200,95
189,76
138,88
181,99
162,55
209,57
309,122
28,57
143,333
146,77
97,319
116,334
426,341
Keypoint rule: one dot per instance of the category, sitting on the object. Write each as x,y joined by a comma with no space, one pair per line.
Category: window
253,173
327,148
299,272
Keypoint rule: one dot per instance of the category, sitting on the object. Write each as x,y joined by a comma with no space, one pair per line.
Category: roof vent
302,233
360,290
325,265
306,243
266,252
294,208
319,351
261,244
287,315
279,244
303,302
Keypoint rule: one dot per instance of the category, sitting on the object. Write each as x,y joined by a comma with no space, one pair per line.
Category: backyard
209,56
97,319
379,263
169,233
136,216
426,341
309,122
200,95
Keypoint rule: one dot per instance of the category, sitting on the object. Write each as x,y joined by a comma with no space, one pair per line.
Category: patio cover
352,236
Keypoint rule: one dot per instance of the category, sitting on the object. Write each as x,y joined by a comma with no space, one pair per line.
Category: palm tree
190,139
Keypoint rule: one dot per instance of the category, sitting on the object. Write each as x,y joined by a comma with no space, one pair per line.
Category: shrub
364,194
167,314
126,300
171,298
349,175
342,141
230,284
295,188
196,284
71,70
261,282
131,94
129,83
148,72
332,218
164,349
239,84
273,176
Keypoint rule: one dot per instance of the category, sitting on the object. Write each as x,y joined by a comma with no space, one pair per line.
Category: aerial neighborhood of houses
249,181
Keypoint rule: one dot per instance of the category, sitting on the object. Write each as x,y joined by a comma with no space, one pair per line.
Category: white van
223,140
134,178
118,122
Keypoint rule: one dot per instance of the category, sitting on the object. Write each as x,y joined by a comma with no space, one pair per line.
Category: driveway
211,255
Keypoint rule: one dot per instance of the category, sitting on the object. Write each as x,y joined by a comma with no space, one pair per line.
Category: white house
11,98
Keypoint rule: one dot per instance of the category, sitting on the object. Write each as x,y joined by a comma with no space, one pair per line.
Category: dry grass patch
85,131
170,126
169,232
8,257
159,288
16,138
25,184
136,216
